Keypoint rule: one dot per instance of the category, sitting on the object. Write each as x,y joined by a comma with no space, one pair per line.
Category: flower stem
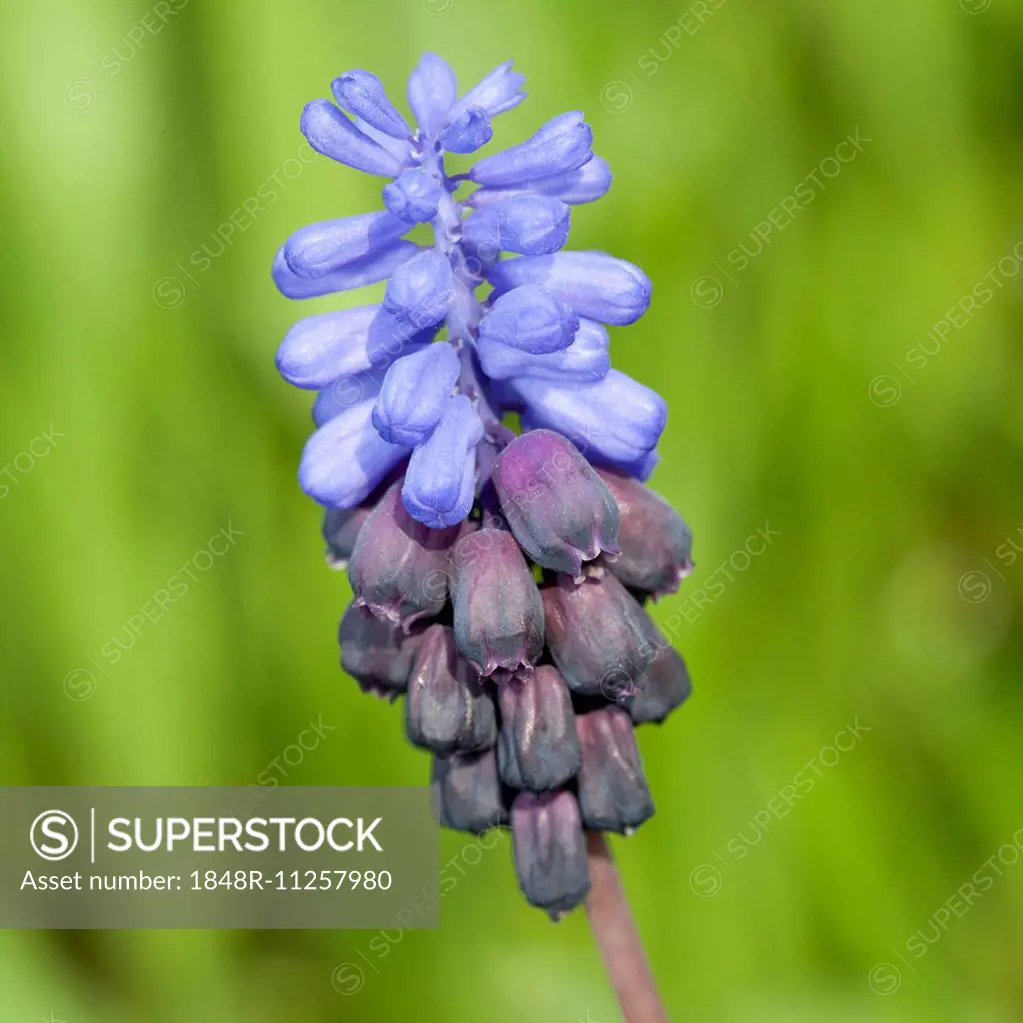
619,942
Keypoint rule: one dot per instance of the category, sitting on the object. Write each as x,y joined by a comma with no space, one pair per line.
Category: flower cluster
498,579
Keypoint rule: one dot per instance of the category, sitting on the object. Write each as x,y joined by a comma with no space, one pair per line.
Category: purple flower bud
594,284
531,319
448,709
331,133
498,611
562,144
319,349
400,149
440,484
615,420
662,686
538,747
331,245
413,196
584,184
415,393
655,542
346,458
559,509
343,394
613,794
419,292
470,130
550,850
597,633
340,528
467,792
375,652
398,568
499,91
362,93
431,92
585,360
531,224
354,275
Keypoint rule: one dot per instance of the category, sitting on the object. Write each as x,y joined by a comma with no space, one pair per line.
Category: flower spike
499,581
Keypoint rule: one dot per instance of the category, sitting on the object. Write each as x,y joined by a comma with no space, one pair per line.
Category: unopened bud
561,512
550,850
538,746
448,709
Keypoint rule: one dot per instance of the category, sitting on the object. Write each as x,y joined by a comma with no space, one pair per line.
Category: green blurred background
808,396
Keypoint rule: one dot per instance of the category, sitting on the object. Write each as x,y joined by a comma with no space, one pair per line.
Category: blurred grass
177,424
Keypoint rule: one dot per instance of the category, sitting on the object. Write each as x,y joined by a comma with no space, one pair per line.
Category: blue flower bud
559,509
431,92
584,184
413,196
362,93
655,543
594,284
615,420
377,653
531,224
550,850
448,710
562,144
641,467
441,478
319,349
467,132
415,392
499,91
661,687
538,747
613,794
331,133
585,360
400,149
354,275
531,319
498,614
346,458
467,792
343,394
419,292
331,245
597,634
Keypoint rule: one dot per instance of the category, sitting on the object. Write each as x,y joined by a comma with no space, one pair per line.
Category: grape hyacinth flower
499,579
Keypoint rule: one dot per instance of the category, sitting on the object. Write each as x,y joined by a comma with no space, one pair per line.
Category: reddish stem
619,942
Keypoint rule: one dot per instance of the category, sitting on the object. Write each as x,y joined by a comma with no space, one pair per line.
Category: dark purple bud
550,850
561,512
597,634
656,544
613,795
398,567
448,708
376,652
498,610
538,747
467,792
340,528
660,688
